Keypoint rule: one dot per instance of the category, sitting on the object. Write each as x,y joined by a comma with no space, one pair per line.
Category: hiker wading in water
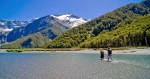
102,54
109,54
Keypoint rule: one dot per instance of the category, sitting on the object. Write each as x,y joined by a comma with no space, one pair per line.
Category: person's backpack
109,52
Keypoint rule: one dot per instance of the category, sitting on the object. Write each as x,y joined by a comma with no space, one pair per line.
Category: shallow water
73,66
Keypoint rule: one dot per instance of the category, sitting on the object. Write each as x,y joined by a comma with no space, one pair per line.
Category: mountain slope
36,26
70,19
8,25
107,22
67,20
43,29
137,33
36,33
31,41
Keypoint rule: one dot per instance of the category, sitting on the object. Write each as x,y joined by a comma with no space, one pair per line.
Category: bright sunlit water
73,66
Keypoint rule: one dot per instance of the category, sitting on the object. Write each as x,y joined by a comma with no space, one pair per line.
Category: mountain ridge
12,24
7,26
72,20
7,32
102,24
47,27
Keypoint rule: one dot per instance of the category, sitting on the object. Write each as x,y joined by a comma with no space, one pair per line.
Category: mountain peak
72,20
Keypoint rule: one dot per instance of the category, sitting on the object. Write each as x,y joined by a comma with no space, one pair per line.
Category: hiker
102,54
109,54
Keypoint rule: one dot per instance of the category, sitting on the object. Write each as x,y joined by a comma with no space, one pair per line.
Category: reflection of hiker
109,54
102,54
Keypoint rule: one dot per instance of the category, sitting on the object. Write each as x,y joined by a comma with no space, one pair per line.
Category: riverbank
94,51
130,51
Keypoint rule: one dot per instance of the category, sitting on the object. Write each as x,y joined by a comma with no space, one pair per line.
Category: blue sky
29,9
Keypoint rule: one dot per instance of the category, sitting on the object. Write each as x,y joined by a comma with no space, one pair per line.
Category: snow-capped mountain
11,30
9,25
70,19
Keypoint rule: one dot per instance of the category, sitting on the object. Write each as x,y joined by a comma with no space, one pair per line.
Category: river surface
73,66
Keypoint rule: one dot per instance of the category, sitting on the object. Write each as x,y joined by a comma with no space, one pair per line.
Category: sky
29,9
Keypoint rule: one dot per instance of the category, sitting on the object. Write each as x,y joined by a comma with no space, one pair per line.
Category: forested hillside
32,41
137,33
103,24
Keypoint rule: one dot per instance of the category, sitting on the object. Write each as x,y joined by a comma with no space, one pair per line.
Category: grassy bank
70,49
41,49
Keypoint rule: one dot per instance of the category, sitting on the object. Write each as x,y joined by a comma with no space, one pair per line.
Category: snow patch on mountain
5,30
22,23
62,17
8,30
71,19
9,25
2,23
